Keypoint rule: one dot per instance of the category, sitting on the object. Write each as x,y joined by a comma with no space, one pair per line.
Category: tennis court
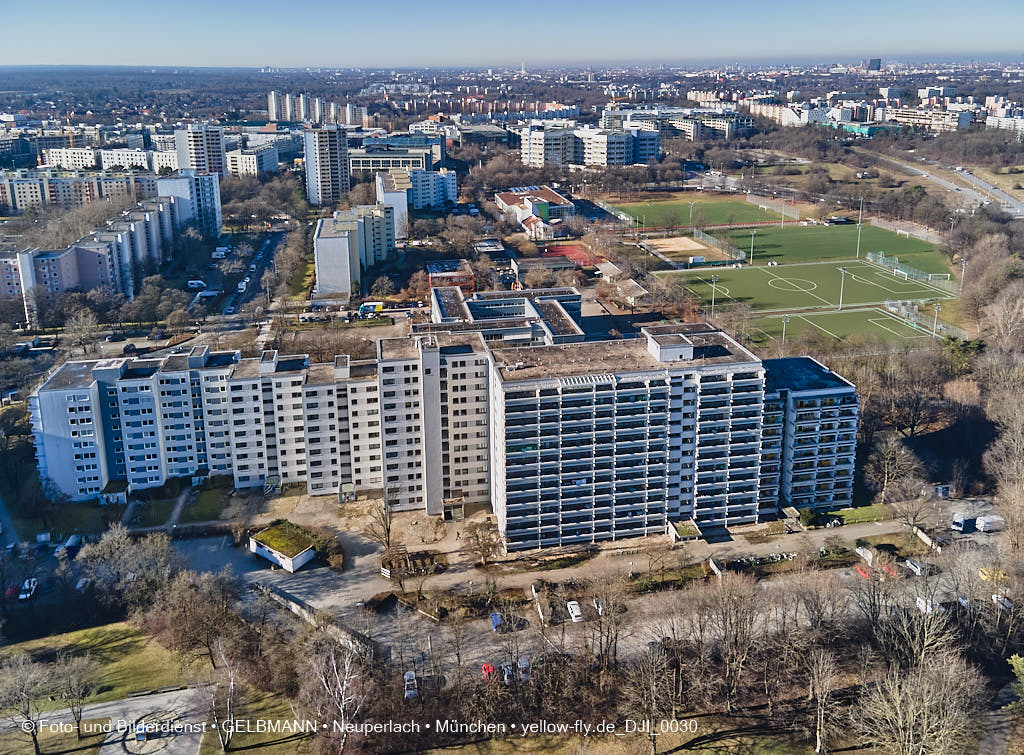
815,285
871,324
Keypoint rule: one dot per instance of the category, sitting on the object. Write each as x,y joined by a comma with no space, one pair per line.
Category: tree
931,709
822,680
178,320
648,694
126,572
194,612
733,606
222,695
382,287
24,687
333,687
75,680
380,528
80,330
482,540
890,464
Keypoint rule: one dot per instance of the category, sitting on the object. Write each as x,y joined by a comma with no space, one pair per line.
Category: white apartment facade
348,243
327,164
570,443
200,147
255,161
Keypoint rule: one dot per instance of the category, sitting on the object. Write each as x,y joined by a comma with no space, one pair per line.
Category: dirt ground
684,247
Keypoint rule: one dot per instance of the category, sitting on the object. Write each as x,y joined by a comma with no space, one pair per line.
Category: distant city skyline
414,34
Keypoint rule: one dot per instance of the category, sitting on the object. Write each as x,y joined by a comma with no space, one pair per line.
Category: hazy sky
459,32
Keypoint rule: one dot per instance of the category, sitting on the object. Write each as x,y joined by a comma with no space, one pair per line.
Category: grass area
674,209
57,742
337,324
875,324
261,706
301,280
798,243
129,660
285,538
896,544
154,513
68,519
686,529
876,512
812,285
207,507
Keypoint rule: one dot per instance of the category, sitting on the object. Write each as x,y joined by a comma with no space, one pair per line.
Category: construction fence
708,240
911,312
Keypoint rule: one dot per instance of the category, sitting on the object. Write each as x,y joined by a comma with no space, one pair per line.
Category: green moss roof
286,538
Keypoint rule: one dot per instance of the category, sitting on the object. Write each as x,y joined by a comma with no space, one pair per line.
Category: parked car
524,669
497,624
508,674
863,571
28,589
914,567
411,685
488,671
114,337
891,571
70,548
575,612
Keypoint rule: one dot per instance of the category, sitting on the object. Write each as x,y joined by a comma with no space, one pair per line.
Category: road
972,197
1013,206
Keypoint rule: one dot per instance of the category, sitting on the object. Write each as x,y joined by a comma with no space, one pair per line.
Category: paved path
179,504
183,707
999,724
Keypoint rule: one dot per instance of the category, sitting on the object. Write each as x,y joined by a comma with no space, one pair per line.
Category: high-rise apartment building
305,109
198,197
327,164
274,105
257,161
498,400
349,242
200,148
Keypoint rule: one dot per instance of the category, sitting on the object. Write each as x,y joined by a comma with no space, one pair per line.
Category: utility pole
782,220
963,273
752,246
842,283
785,322
691,214
935,322
714,291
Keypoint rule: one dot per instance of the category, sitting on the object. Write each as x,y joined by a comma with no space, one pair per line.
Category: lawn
876,512
875,324
707,210
154,513
130,660
261,707
797,243
68,519
299,283
57,742
207,508
812,285
896,544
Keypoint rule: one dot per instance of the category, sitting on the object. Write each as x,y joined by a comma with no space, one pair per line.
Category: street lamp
785,322
691,213
935,322
782,220
842,283
752,246
963,273
714,291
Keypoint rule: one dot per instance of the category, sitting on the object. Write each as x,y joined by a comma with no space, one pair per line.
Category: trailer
990,523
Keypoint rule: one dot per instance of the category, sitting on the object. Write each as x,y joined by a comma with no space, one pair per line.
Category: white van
197,284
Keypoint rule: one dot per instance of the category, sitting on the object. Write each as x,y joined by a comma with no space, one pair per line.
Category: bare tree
24,688
380,528
222,694
647,693
75,679
333,687
889,463
733,606
482,540
822,679
930,709
80,330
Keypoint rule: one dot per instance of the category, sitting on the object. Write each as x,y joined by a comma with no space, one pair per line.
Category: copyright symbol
28,727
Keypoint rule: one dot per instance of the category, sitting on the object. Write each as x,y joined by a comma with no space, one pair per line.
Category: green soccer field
873,324
814,285
715,211
797,243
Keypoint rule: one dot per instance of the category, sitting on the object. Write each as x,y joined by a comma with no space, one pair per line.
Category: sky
343,33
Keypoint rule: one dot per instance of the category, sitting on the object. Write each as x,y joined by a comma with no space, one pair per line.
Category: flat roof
801,374
71,375
556,318
517,194
602,357
397,348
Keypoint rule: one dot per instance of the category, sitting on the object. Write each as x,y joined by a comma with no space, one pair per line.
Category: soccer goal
938,276
901,274
905,234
